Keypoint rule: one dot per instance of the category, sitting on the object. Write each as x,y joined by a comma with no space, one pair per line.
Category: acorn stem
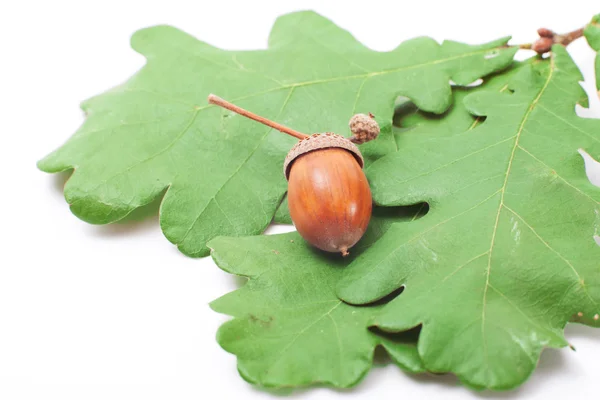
216,100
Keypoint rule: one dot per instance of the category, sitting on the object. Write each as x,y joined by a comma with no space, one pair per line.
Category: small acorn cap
320,141
364,128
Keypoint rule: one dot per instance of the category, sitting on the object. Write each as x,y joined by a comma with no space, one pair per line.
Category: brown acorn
328,193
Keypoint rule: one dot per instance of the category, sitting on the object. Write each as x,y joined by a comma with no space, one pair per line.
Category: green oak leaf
505,257
220,174
412,124
409,118
290,329
592,34
282,214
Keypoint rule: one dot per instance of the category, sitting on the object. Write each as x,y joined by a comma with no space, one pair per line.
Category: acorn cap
364,128
320,141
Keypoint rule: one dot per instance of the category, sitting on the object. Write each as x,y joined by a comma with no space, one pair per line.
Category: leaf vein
259,143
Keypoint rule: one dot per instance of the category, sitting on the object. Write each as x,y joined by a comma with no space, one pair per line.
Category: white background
116,312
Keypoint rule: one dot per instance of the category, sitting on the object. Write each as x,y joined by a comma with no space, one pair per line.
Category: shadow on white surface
239,281
579,331
59,180
141,219
125,227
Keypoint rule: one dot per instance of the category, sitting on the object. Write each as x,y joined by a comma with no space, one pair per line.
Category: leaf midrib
501,205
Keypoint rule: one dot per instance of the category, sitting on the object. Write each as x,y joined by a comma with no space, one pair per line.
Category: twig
567,38
216,100
549,38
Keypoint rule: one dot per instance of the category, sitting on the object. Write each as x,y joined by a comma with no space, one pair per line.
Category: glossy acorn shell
329,198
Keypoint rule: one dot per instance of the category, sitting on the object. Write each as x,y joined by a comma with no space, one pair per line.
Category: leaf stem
216,100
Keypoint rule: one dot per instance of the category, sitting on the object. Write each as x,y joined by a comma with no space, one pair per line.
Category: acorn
328,193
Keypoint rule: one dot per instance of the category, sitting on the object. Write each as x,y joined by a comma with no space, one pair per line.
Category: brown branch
567,38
